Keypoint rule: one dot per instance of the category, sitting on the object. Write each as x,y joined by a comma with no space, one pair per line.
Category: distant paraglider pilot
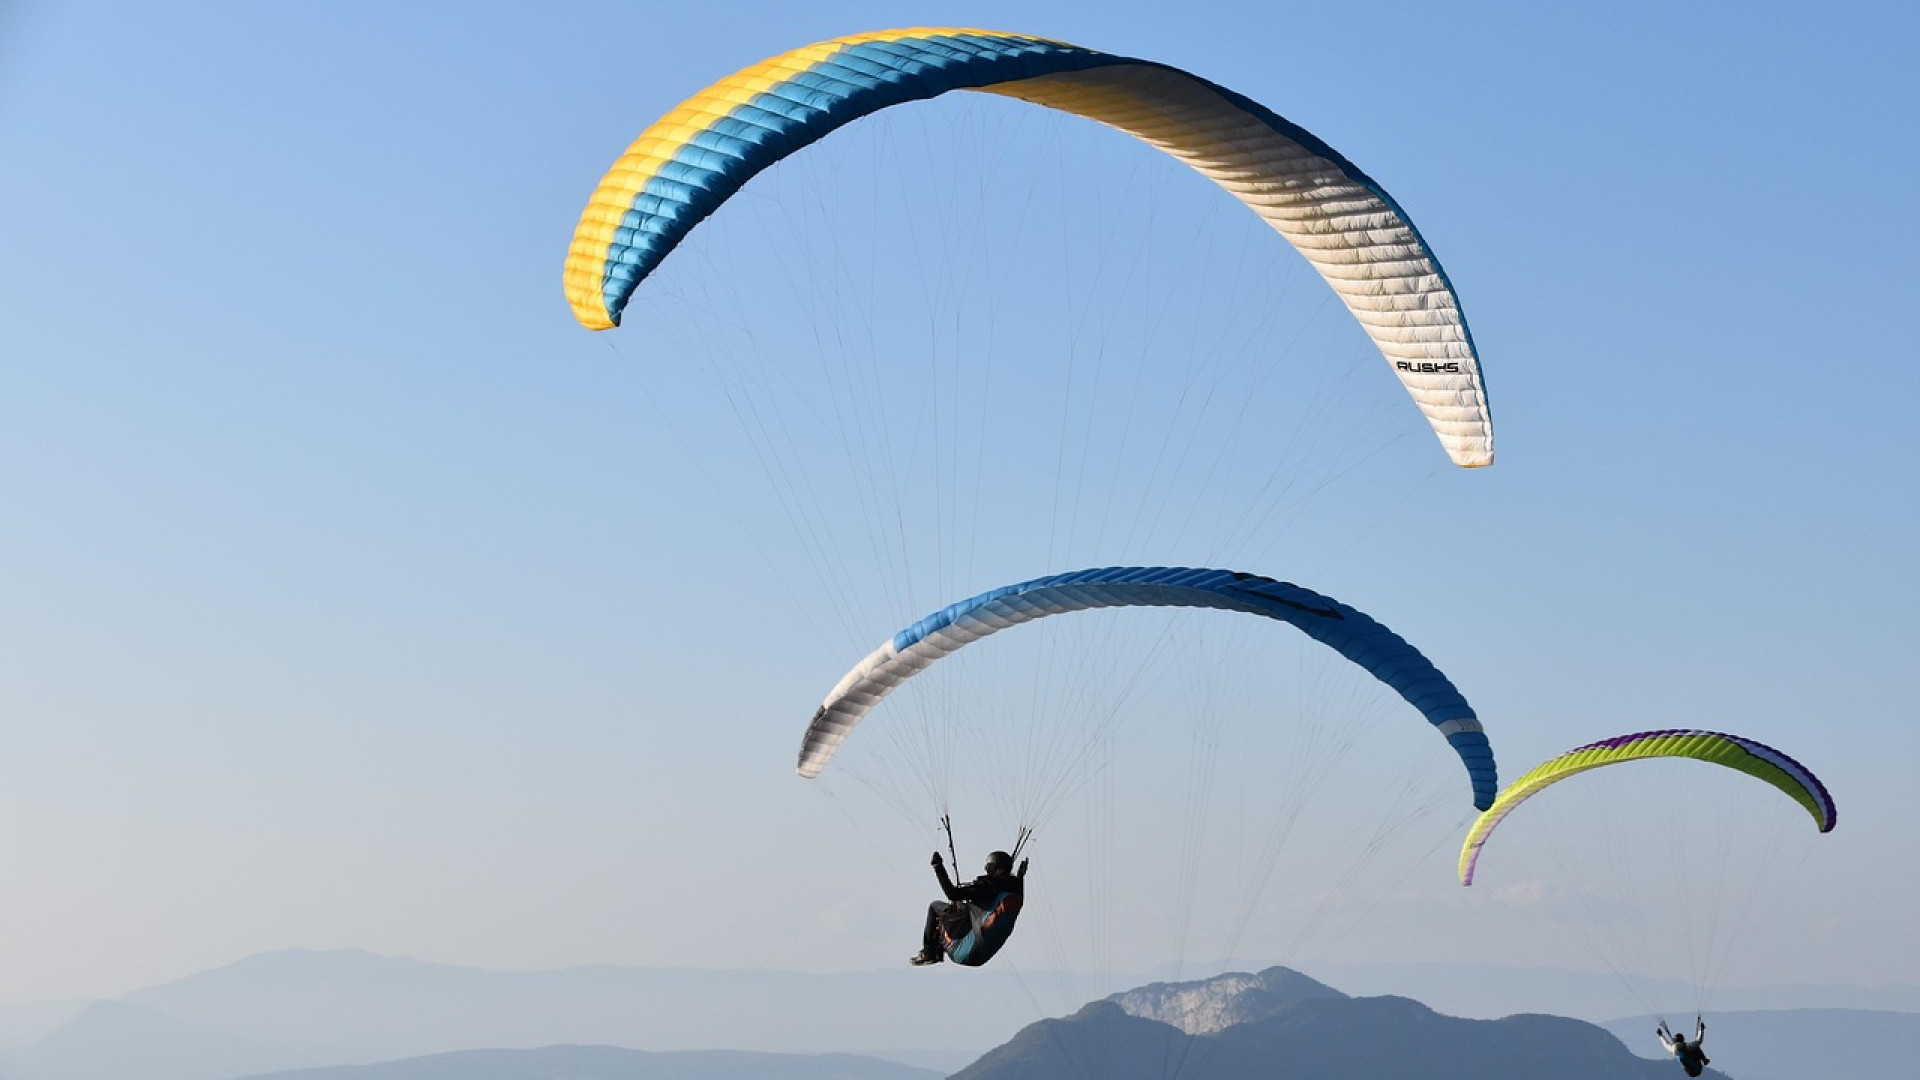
1688,1054
975,919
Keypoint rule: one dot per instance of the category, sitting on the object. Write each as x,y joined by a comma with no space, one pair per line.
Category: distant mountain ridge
615,1063
125,1039
1487,992
308,1009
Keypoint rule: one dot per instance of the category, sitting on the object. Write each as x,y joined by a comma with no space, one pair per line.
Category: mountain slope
1211,1005
124,1039
1293,1030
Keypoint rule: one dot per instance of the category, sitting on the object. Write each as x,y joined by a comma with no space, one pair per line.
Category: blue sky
352,595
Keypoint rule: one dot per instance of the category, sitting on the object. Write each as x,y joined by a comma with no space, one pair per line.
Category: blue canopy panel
1346,630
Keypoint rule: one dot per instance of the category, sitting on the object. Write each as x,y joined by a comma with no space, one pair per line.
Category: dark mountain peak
1295,1027
1105,1010
1102,1039
1206,1006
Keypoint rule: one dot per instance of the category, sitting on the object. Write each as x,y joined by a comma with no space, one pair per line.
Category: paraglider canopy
1744,755
691,161
1346,630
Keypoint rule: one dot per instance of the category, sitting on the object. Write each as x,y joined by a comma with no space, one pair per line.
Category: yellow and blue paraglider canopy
693,159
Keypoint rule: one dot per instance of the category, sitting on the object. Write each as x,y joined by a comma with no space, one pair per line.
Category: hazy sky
351,594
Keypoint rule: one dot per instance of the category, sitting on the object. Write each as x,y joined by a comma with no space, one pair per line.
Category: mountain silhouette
1279,1025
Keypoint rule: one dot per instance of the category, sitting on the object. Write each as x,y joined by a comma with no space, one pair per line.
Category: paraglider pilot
975,919
1688,1054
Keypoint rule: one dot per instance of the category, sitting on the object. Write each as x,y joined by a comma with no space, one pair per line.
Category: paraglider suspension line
1026,834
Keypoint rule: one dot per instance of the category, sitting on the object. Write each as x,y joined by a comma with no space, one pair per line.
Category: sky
352,595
